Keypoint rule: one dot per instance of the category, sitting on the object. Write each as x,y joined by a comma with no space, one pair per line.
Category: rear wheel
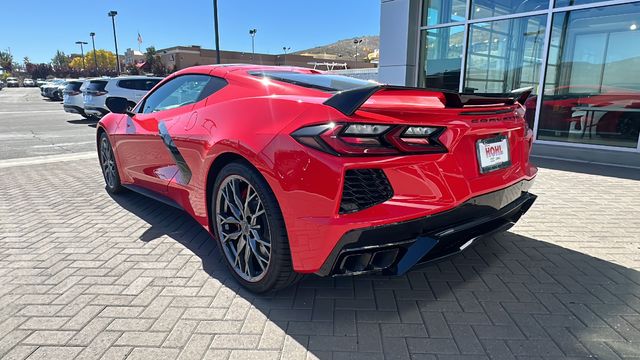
250,230
108,165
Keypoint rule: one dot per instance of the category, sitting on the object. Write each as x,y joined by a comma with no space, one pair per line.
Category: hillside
346,48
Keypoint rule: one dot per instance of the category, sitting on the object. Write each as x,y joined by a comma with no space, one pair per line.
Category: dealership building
582,58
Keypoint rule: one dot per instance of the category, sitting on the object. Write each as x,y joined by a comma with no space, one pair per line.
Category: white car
72,97
132,88
13,82
47,88
28,83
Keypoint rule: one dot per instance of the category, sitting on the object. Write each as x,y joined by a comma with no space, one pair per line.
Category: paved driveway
86,276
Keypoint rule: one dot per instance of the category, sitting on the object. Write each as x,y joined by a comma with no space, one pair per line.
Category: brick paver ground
87,276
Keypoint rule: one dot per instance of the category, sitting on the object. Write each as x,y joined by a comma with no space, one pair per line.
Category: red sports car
296,171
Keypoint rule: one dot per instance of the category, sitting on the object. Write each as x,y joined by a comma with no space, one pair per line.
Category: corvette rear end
383,178
295,171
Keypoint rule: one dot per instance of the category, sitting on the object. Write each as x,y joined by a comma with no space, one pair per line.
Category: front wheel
250,230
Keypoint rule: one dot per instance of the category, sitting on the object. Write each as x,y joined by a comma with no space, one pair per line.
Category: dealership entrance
582,58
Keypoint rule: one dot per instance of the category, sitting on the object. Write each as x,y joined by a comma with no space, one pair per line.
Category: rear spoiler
348,101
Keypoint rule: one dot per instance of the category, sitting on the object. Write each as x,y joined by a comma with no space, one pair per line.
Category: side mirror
118,105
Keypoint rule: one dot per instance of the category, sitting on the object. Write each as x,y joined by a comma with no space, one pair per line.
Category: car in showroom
132,88
28,83
294,171
13,82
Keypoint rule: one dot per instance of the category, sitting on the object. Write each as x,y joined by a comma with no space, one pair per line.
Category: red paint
254,120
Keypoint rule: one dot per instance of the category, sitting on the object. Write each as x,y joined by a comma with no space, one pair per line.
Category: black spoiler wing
348,101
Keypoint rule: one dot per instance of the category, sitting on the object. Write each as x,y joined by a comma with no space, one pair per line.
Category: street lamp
253,32
95,58
285,49
82,51
215,26
113,14
356,42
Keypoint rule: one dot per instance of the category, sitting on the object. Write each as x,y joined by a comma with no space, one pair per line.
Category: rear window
96,85
324,82
73,86
138,84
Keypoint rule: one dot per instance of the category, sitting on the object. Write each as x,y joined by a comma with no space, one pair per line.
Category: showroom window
592,85
443,11
490,8
441,57
505,55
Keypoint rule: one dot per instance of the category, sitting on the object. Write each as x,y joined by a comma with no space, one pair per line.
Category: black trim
435,236
348,101
183,168
153,195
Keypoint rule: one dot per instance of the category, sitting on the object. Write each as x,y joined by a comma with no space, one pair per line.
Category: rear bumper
95,110
395,248
73,109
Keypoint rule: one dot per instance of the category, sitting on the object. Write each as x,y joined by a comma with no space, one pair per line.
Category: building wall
572,52
184,56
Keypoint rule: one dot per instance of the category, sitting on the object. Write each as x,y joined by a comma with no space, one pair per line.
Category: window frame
140,107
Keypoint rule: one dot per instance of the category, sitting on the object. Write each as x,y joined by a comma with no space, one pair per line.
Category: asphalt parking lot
84,275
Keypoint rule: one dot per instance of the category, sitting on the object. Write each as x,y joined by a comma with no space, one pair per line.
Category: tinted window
96,85
322,82
73,86
138,84
180,91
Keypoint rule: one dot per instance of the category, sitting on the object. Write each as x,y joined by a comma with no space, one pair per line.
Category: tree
106,59
6,61
60,63
153,63
39,71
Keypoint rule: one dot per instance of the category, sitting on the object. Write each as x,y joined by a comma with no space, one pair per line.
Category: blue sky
37,29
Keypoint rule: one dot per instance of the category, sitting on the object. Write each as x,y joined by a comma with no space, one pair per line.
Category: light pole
285,49
113,14
215,27
356,42
253,32
82,51
95,57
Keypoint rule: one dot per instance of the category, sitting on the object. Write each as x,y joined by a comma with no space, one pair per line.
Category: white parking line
36,160
63,144
29,112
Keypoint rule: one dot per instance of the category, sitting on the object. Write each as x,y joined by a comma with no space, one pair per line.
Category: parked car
47,88
13,82
294,171
57,92
132,88
1,84
28,83
73,97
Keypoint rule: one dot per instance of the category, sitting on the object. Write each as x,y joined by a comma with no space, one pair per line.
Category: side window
180,91
127,84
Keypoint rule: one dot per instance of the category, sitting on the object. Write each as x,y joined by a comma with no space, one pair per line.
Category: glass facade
581,57
442,50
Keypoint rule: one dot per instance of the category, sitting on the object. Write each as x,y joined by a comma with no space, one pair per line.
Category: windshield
324,82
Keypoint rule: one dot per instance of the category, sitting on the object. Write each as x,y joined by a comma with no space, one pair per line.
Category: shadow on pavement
508,295
83,121
588,168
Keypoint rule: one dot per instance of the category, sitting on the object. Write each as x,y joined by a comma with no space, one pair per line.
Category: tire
264,223
108,165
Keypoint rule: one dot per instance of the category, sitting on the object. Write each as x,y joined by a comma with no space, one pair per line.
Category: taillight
72,92
357,139
100,93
